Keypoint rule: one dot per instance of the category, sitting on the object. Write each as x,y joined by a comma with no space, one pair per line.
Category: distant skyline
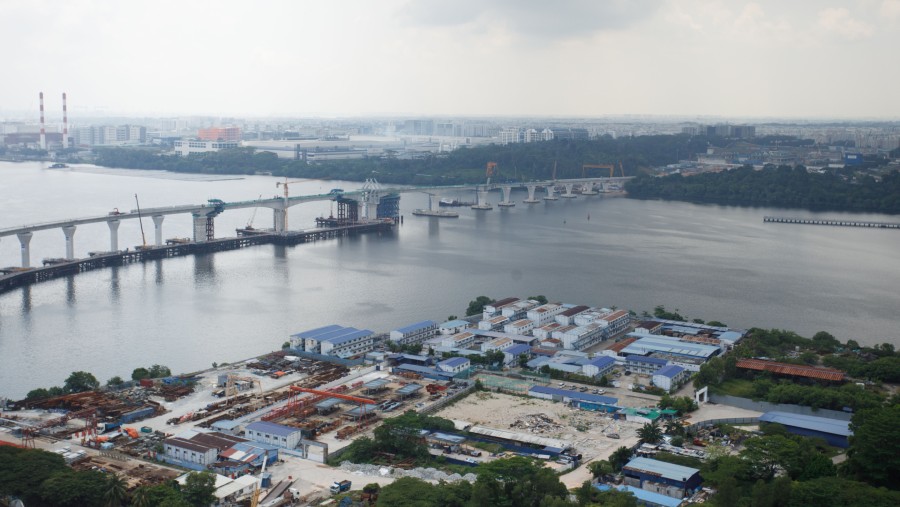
576,58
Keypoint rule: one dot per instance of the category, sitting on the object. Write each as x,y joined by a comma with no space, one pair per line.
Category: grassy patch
735,387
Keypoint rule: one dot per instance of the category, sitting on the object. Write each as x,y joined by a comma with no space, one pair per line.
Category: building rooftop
602,361
662,469
272,428
425,324
518,349
671,371
454,362
317,331
498,334
809,422
793,370
329,403
645,359
646,344
503,302
575,395
337,340
575,310
618,346
376,384
409,389
643,496
454,323
618,314
425,370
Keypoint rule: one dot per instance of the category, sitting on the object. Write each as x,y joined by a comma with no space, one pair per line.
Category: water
711,262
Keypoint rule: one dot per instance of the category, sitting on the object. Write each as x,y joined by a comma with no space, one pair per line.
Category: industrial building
196,450
334,340
518,310
458,340
667,479
220,134
453,326
643,364
492,309
512,354
454,365
599,366
273,434
497,344
686,354
520,326
669,377
834,431
644,498
582,400
187,147
414,333
581,337
493,323
544,314
424,371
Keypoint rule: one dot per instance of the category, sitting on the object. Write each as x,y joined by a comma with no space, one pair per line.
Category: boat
435,213
59,165
453,202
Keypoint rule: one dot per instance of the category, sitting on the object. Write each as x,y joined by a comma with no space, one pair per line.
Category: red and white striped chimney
43,135
65,141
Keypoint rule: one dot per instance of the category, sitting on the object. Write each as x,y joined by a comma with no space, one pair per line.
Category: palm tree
140,498
650,433
115,491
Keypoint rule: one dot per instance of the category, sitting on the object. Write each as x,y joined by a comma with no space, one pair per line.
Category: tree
159,495
540,299
116,491
140,374
286,345
159,371
74,489
80,381
650,433
199,489
37,394
765,454
678,441
620,457
115,381
600,468
874,453
23,470
451,317
477,305
523,360
825,342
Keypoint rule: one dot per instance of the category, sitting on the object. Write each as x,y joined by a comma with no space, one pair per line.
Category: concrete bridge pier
531,189
280,219
569,194
157,224
113,235
204,228
506,202
24,241
551,193
371,210
587,188
69,231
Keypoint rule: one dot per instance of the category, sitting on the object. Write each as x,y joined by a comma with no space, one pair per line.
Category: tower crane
490,171
285,184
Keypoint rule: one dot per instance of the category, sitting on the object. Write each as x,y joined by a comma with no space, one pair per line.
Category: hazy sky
787,58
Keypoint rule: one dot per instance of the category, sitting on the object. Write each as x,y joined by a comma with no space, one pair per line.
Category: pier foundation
113,235
24,241
69,231
157,223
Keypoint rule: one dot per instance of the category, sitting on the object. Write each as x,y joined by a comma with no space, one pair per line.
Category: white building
334,340
414,333
459,340
523,326
453,326
583,337
492,309
517,310
493,323
454,365
670,377
196,449
273,434
544,314
186,147
616,322
599,366
546,331
567,317
498,344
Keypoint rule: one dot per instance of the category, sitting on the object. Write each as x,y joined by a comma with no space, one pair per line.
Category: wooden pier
19,277
832,222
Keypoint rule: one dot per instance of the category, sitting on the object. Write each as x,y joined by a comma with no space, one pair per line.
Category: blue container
266,480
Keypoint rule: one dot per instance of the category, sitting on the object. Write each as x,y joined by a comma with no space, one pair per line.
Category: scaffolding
389,207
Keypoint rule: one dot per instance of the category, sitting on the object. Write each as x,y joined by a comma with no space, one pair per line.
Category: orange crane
285,184
490,171
330,394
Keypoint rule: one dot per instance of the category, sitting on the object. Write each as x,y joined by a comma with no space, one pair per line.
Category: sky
564,58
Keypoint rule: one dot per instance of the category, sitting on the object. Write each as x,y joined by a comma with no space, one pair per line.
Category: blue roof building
565,395
334,340
835,431
424,371
644,364
670,376
644,497
681,478
454,365
599,366
414,333
274,434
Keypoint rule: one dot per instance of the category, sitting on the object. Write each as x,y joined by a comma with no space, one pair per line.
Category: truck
340,487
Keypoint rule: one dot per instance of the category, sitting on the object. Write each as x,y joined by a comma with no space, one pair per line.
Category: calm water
711,262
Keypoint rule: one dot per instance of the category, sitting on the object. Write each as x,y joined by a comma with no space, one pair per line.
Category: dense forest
788,187
515,162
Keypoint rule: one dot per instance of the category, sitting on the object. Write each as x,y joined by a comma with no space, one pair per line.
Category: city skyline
466,58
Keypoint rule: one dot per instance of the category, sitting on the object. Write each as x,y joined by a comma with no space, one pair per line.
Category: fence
443,402
764,406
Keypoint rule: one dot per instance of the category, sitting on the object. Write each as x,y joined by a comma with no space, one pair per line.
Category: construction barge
12,278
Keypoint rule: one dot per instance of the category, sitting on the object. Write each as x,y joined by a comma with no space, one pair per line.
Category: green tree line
782,186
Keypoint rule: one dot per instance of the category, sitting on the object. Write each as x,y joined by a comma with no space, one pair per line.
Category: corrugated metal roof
424,370
417,326
571,312
650,497
575,395
792,369
313,332
602,362
376,384
618,346
520,437
518,349
670,371
329,403
272,428
453,362
454,323
653,343
409,389
809,422
663,469
349,337
645,359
